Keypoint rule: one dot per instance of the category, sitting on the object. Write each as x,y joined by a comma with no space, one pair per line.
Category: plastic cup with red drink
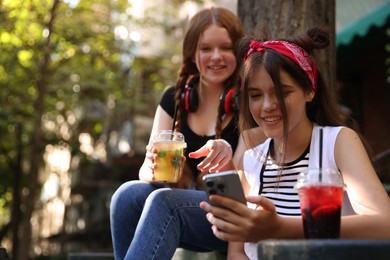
321,195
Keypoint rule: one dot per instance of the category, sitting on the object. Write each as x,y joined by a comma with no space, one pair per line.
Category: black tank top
230,133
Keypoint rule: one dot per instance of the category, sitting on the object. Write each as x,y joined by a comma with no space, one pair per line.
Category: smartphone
225,183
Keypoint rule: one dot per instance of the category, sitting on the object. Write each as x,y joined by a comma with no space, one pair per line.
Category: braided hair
189,72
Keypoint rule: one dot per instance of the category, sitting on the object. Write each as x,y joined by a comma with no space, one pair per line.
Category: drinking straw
320,155
174,121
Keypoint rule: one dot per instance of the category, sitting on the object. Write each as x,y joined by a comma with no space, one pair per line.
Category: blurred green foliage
73,64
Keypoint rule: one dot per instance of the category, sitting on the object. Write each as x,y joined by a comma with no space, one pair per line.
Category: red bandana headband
291,51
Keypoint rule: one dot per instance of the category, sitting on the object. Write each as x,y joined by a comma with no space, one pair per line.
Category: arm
365,191
236,251
219,155
162,121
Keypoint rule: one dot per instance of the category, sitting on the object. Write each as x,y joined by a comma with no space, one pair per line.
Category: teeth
271,119
217,68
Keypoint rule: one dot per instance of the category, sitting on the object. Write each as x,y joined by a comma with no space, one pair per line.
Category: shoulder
330,135
169,92
349,149
348,138
347,134
168,100
328,130
257,153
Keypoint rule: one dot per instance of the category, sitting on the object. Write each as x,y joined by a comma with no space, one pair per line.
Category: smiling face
264,105
214,56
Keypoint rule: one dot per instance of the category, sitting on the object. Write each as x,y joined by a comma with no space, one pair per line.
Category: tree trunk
36,143
284,18
16,199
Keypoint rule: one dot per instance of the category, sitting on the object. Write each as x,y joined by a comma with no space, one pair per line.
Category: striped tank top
279,187
263,177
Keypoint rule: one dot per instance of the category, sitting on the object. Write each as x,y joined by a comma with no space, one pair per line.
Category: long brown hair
198,24
323,110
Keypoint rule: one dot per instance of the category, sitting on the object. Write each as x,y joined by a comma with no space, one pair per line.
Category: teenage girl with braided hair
284,94
149,221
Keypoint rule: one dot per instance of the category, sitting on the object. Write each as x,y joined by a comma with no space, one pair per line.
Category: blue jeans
151,222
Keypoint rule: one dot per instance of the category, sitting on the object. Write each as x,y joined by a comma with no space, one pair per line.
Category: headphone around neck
228,101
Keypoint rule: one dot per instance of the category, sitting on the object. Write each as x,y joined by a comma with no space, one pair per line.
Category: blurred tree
64,70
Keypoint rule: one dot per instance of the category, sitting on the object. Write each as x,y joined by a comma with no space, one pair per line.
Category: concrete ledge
182,254
90,256
324,249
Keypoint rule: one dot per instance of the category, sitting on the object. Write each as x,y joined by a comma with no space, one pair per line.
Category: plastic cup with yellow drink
170,147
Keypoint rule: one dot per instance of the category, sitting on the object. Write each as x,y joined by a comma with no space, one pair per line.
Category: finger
226,236
151,148
223,229
225,220
227,207
211,160
230,204
151,159
216,226
205,206
151,153
152,166
219,165
214,210
203,151
151,156
261,201
216,159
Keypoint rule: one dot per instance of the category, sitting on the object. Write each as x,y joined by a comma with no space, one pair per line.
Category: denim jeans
151,222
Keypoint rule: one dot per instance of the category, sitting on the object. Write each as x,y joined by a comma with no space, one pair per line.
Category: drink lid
169,136
320,177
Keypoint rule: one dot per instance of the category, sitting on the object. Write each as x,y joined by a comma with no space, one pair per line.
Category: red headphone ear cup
189,99
228,103
184,99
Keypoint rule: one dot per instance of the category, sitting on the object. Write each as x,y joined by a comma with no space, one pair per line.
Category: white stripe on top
280,187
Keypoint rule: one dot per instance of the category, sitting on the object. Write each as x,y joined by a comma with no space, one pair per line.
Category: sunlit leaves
92,78
81,43
5,209
25,57
8,38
